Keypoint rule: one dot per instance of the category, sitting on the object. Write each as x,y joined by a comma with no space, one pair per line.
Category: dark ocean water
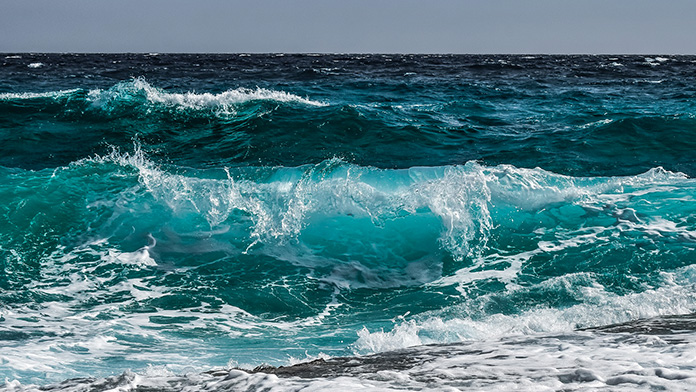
487,217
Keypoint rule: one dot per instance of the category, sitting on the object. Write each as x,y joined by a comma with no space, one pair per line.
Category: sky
350,26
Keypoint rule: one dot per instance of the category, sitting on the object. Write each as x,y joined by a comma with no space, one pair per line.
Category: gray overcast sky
385,26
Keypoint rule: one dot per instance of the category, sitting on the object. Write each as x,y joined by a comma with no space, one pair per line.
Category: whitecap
30,95
222,103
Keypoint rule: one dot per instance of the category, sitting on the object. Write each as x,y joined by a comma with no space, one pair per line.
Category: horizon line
153,53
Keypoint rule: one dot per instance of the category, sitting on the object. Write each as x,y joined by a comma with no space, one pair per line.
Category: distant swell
138,95
138,88
266,126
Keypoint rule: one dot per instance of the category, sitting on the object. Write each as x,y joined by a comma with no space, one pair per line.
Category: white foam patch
67,336
612,64
598,307
578,361
596,123
36,65
655,61
49,94
69,340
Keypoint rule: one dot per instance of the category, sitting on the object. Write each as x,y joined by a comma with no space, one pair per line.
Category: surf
201,221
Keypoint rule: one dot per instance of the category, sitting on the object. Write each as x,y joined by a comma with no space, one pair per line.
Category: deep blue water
191,212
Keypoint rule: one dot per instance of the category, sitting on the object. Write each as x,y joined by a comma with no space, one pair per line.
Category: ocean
286,222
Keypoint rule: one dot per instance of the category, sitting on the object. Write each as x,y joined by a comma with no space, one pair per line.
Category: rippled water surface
165,215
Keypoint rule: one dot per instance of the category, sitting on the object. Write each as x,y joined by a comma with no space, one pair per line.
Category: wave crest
137,96
223,102
469,201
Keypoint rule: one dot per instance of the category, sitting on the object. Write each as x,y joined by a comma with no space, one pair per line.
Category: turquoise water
190,212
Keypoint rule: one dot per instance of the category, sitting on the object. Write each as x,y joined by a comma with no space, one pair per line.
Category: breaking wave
137,96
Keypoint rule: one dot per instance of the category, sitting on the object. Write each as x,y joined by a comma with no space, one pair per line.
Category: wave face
187,220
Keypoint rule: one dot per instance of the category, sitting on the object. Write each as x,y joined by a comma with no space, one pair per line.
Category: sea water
389,222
